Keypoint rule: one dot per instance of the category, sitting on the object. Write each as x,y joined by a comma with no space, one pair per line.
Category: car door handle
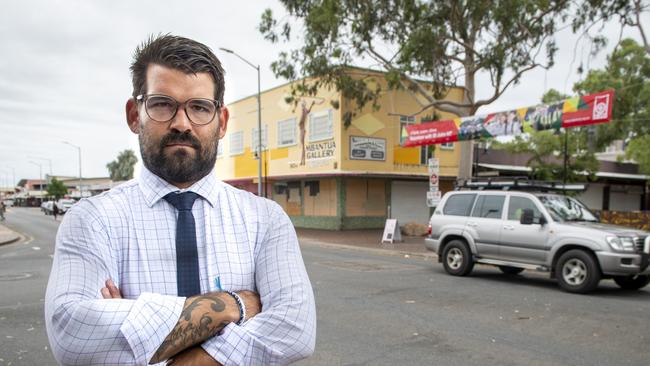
472,224
508,227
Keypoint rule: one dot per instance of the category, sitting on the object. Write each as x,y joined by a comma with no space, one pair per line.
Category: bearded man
177,266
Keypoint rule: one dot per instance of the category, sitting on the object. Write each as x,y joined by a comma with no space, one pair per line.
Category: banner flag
572,112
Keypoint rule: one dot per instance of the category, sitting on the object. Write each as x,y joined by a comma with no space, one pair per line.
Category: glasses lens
160,108
201,111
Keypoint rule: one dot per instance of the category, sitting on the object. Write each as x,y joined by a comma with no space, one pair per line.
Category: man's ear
133,116
224,115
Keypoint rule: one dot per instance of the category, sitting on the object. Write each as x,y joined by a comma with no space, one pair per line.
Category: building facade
327,175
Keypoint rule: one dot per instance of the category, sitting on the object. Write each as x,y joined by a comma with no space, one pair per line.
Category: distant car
64,204
8,202
47,207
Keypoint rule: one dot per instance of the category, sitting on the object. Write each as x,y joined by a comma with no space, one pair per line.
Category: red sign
573,112
599,111
431,133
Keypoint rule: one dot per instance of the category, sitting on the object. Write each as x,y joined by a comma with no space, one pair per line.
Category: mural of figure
304,113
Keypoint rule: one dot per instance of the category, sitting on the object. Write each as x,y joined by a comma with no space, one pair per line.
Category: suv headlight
623,244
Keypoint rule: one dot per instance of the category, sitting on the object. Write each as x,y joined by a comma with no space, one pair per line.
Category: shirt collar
155,188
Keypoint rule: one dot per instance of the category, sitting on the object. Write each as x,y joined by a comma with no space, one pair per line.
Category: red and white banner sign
573,112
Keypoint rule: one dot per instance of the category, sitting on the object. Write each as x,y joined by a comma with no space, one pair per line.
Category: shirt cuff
229,347
151,319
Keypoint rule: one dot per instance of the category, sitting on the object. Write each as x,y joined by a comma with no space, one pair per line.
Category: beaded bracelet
242,307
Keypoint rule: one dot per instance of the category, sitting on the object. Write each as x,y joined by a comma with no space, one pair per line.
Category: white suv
518,230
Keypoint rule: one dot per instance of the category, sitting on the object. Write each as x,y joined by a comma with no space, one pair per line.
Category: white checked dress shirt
128,235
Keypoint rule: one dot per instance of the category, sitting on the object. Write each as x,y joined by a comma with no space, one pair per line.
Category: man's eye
200,107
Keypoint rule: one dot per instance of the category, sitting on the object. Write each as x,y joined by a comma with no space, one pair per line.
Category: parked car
47,207
533,227
64,204
8,202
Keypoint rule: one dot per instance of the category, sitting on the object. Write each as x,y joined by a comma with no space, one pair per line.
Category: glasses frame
142,98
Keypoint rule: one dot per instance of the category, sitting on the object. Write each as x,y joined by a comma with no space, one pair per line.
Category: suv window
459,205
518,204
489,206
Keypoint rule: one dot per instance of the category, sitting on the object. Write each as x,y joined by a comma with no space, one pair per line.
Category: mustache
182,138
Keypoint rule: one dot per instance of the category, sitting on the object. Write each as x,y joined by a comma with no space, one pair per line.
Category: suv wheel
457,258
511,270
632,282
577,271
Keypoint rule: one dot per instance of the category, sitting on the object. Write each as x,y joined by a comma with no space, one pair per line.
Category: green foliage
639,150
547,149
122,168
56,189
552,96
628,73
591,16
447,42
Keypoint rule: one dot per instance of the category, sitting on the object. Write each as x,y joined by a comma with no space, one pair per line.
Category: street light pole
79,151
259,120
40,175
48,160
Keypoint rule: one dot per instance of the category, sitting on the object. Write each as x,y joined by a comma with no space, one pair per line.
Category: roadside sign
433,198
434,174
391,232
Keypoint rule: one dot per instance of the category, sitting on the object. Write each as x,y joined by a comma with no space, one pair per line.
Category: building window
320,126
447,146
264,139
237,143
403,122
287,132
314,187
426,152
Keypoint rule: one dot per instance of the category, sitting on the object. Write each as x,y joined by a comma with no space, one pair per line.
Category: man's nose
181,122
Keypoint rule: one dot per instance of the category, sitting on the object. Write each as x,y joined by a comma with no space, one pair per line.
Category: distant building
618,187
325,175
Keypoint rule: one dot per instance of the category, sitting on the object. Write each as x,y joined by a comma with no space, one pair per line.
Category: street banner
572,112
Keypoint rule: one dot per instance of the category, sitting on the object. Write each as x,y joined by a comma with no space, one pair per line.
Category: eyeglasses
163,108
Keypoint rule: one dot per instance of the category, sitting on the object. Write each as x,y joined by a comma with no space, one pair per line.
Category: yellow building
326,175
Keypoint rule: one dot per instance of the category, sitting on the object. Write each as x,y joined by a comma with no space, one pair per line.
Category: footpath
365,240
7,236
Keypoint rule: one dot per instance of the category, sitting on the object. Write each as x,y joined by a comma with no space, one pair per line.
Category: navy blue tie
187,259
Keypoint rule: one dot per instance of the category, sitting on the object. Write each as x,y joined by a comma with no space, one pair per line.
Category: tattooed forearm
203,316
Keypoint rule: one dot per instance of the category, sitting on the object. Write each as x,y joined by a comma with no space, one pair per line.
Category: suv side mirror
527,217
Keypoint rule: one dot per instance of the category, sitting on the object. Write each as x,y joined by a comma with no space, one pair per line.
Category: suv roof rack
518,184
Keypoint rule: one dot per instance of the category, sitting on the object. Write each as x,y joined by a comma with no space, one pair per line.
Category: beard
178,166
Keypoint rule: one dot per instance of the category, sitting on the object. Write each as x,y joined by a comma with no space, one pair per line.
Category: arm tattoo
198,322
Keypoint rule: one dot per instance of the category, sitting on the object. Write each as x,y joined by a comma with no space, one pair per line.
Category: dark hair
178,53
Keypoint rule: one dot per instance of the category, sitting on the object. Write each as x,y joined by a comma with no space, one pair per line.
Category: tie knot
182,201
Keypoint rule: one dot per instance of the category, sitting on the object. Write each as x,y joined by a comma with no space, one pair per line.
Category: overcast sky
64,73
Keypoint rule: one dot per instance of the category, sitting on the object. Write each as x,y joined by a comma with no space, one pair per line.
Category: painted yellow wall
280,160
385,124
286,161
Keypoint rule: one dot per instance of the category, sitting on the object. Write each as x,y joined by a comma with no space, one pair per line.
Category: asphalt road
378,309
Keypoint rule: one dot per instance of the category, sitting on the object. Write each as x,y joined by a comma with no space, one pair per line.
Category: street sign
434,174
391,232
433,198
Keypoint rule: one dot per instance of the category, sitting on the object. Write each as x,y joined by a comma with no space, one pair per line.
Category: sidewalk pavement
369,239
7,236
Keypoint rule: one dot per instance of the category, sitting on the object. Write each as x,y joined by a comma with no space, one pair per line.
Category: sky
64,73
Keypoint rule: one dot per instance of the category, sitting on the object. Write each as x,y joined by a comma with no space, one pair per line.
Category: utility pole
259,120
